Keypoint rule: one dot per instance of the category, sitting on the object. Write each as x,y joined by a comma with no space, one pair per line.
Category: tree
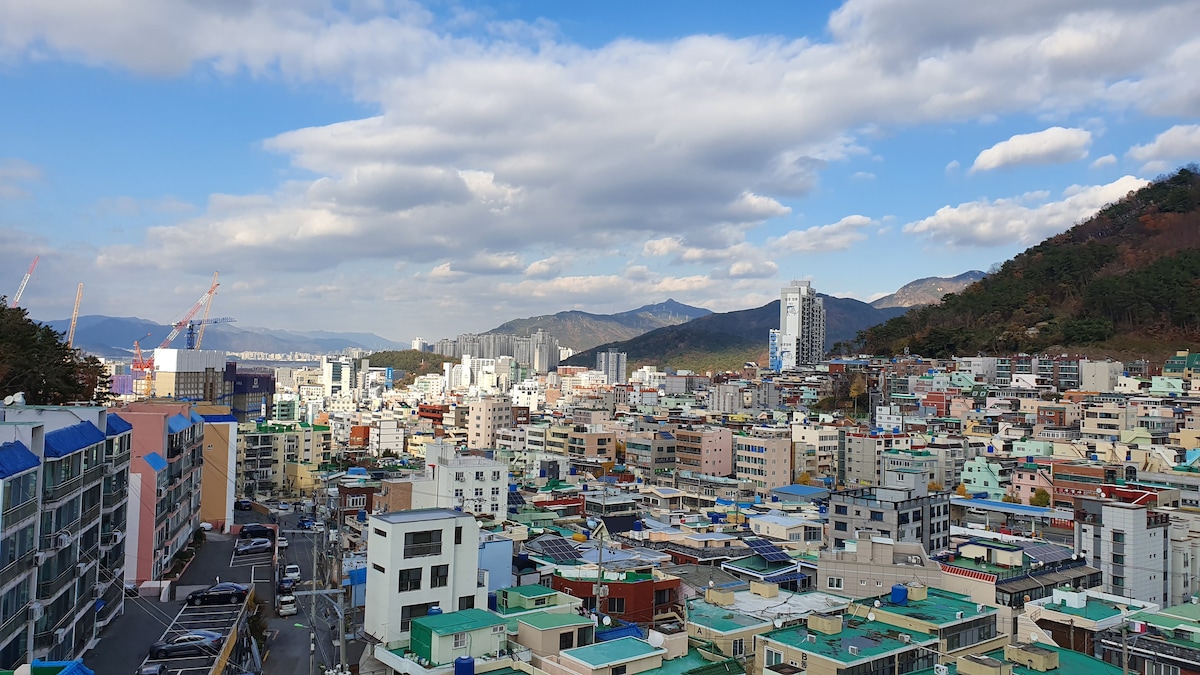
1009,499
935,486
804,478
35,360
1040,498
961,490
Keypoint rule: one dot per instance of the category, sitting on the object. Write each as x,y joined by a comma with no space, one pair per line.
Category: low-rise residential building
865,568
764,458
704,450
901,514
831,645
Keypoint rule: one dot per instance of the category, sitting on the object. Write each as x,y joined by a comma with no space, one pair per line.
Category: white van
285,605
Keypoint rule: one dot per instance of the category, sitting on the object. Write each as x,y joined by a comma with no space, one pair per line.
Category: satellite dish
8,400
656,639
878,604
607,621
870,616
1033,637
711,583
19,398
778,622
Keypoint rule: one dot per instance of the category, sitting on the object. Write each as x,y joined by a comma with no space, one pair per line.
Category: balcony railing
15,569
90,513
118,460
61,490
10,626
110,499
19,513
50,587
421,550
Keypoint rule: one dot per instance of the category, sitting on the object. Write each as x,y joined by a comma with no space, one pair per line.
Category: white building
1130,544
195,374
614,366
800,338
418,560
474,484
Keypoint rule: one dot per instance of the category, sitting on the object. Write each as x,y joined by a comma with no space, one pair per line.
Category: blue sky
409,169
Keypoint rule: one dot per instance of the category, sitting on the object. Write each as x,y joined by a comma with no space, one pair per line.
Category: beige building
191,374
593,442
704,450
486,417
868,567
815,447
764,458
547,634
265,450
218,489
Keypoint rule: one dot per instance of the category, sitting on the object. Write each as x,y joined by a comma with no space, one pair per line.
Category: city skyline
439,169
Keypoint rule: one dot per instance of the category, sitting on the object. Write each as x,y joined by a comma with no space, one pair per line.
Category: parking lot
251,559
220,619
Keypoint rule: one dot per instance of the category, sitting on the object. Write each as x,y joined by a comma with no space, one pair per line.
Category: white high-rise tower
800,337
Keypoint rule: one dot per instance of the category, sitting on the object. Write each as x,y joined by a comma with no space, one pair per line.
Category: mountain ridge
928,291
584,330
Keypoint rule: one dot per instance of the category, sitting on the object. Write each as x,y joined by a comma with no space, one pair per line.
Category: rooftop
941,608
546,620
871,638
612,652
759,565
1069,662
529,590
418,515
461,621
1095,609
721,619
786,605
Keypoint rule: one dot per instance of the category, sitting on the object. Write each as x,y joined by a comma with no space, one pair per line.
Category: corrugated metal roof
217,419
115,425
156,461
62,442
177,423
15,458
195,417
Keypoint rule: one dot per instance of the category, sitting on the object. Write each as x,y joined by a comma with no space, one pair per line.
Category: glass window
439,576
410,579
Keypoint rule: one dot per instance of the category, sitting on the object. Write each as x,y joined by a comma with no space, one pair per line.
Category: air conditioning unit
41,557
161,492
37,610
59,635
109,469
853,649
62,539
81,568
118,536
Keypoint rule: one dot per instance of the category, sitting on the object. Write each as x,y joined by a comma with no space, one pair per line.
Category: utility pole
312,616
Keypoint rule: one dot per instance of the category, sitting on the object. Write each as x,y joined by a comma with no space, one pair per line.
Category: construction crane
24,282
143,364
204,319
178,326
74,317
194,336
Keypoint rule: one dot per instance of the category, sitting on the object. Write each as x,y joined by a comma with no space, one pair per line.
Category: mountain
1122,283
113,337
727,340
928,291
581,330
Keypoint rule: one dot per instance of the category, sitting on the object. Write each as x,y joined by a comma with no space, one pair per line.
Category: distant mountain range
582,330
729,339
113,337
928,291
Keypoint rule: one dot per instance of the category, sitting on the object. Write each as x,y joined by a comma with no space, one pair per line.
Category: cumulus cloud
1101,162
1055,145
833,237
1181,141
1017,220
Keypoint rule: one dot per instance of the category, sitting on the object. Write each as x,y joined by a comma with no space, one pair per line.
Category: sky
431,169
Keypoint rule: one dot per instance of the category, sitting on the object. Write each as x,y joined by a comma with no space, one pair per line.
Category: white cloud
1016,221
1180,142
953,166
863,175
13,174
833,237
1101,162
1055,145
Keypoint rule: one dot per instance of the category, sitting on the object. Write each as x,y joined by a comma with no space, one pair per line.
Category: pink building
706,450
1027,478
164,484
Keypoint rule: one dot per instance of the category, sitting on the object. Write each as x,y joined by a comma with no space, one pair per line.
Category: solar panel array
1048,553
770,552
558,549
516,499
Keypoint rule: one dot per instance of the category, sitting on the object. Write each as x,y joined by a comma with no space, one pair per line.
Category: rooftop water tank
434,611
464,665
637,526
900,595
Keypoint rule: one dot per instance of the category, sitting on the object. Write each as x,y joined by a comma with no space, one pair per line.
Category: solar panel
1048,553
770,552
559,550
516,499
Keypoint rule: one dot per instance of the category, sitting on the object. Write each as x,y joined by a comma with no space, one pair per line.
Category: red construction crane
21,289
178,326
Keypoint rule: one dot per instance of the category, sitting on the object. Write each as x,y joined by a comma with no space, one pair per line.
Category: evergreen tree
35,360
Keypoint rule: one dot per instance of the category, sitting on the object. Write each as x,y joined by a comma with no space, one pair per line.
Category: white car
318,526
292,572
286,605
281,542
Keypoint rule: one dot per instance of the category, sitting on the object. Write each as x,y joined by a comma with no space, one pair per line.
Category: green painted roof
1068,662
757,563
720,619
613,652
1095,609
461,621
872,638
529,590
941,608
546,620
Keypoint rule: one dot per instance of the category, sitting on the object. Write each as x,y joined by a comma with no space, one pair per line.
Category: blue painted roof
785,577
62,442
115,425
800,490
15,458
75,667
993,505
216,419
177,423
195,417
156,461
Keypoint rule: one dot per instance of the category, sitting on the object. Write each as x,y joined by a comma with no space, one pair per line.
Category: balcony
93,474
422,550
62,490
90,513
118,460
19,513
112,499
50,587
13,570
17,619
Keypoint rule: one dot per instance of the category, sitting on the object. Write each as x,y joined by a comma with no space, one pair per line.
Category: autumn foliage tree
35,360
1040,498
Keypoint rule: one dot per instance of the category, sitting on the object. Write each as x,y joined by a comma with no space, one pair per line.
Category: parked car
243,505
281,542
191,643
153,669
285,586
131,590
225,592
318,526
292,572
207,527
253,546
306,523
285,605
256,531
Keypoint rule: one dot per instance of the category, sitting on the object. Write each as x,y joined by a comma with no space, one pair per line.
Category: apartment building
164,484
591,442
62,470
1105,420
651,455
418,560
193,374
991,475
816,446
1129,543
704,449
764,457
904,514
265,450
859,452
219,491
864,568
470,483
486,417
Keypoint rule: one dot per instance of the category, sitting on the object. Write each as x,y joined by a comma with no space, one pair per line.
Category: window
1119,582
616,605
774,658
410,579
439,576
460,476
566,640
1119,559
618,670
458,535
458,493
839,510
495,492
495,475
1118,537
410,612
839,525
460,640
356,501
380,532
418,544
877,515
466,602
478,492
834,582
739,647
478,475
1161,669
